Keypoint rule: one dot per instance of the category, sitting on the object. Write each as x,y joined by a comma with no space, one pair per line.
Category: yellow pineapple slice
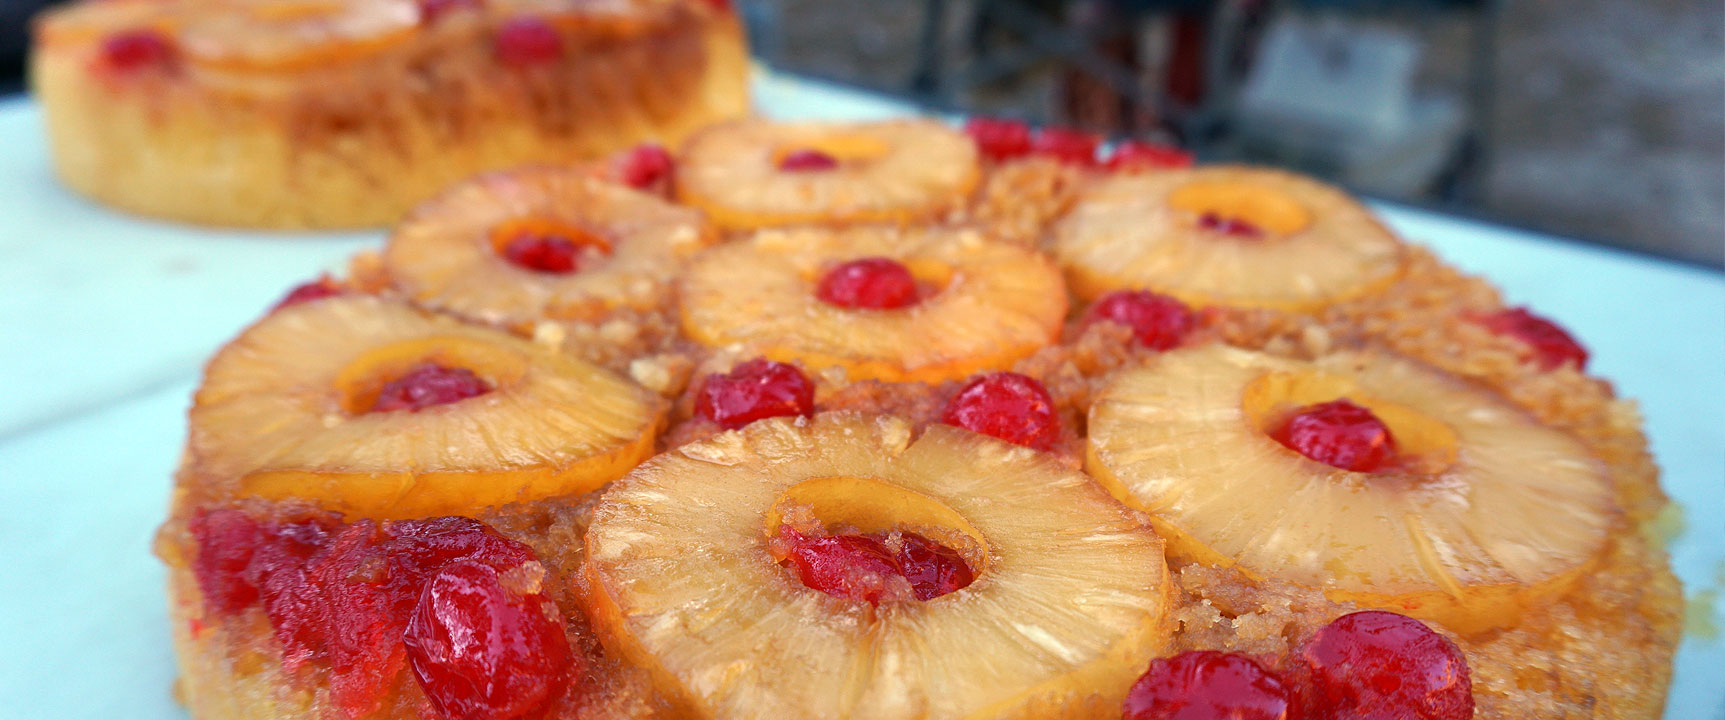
291,35
982,304
1225,236
452,252
287,411
1487,512
1068,605
89,23
742,173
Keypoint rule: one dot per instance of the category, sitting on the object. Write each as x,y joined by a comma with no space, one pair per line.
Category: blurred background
1600,120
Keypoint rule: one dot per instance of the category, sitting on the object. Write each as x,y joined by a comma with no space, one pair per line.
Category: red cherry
1136,155
1339,433
874,283
999,139
280,569
342,594
752,391
417,549
430,11
1207,685
225,542
484,648
367,584
316,290
1066,145
526,42
1552,345
1008,406
933,569
1158,322
807,160
361,624
646,167
847,566
1377,665
136,50
551,253
1230,226
429,384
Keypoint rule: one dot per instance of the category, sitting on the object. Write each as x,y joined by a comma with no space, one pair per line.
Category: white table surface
105,321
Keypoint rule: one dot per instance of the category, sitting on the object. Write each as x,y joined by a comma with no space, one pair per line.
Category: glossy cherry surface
754,390
873,283
429,384
807,160
133,51
1006,405
1066,145
1552,346
1339,433
483,645
545,253
866,566
1230,226
1377,665
1208,685
1158,322
317,289
999,139
527,42
488,645
645,167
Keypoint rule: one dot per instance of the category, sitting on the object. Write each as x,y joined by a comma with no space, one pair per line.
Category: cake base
357,145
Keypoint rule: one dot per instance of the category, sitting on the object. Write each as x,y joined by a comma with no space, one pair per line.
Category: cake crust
352,132
1595,643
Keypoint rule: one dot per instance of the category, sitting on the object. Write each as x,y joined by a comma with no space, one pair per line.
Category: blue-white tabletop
105,321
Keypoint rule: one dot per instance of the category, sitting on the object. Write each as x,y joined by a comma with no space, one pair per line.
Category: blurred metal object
1105,85
1040,35
1354,114
1338,100
1195,88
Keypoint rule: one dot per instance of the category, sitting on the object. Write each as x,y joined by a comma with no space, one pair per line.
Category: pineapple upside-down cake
346,113
894,420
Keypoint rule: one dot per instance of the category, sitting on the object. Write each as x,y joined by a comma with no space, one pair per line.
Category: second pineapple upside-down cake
896,421
346,113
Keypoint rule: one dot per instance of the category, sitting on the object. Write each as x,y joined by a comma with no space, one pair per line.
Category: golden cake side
240,120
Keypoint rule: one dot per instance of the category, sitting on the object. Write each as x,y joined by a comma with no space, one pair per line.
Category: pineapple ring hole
846,504
846,148
358,384
932,276
584,238
1424,444
1269,209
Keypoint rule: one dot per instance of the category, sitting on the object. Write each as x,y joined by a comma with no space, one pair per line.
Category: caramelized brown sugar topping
860,439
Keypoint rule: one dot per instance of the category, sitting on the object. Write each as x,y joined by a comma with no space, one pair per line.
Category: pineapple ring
990,303
279,415
445,256
897,171
294,35
1070,607
1502,514
89,23
1140,232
